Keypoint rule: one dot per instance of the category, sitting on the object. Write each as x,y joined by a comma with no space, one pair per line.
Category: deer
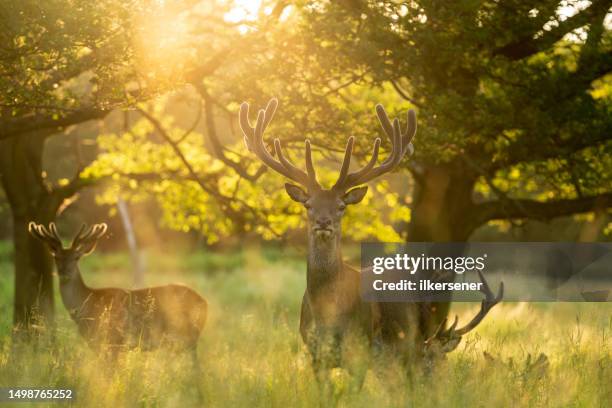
332,308
122,318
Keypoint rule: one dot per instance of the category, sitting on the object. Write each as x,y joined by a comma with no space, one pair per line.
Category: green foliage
522,126
484,108
534,126
6,251
180,262
140,165
63,54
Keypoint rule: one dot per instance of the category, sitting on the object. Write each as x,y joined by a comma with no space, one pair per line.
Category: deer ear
355,195
296,193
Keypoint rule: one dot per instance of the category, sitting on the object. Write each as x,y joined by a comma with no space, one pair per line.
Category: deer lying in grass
332,305
145,318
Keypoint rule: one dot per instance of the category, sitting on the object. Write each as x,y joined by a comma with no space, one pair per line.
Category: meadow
251,354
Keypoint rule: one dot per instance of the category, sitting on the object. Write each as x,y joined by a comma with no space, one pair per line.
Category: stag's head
325,207
66,259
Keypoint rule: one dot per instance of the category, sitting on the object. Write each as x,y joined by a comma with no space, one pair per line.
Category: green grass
251,353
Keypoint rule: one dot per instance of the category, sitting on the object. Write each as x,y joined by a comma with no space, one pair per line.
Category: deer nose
324,222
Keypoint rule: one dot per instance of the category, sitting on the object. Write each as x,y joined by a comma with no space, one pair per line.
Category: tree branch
404,95
541,210
236,215
48,121
201,181
528,45
216,144
531,149
207,69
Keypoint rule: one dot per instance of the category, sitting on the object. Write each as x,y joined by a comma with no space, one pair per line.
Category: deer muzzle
323,232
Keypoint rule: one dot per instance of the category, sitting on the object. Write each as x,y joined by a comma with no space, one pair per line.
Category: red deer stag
332,306
146,318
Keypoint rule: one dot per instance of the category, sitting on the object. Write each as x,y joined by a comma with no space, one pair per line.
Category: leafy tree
66,62
240,197
513,99
62,63
214,199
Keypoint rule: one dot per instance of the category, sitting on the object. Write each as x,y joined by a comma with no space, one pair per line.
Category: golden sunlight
166,32
243,10
162,41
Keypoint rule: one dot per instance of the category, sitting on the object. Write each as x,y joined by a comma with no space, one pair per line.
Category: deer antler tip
453,326
410,149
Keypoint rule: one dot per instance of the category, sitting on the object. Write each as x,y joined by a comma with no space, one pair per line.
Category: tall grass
250,353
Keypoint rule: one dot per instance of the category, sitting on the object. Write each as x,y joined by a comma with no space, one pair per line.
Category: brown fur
173,314
146,318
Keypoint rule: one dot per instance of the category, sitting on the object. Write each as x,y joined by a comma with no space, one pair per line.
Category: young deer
332,306
172,314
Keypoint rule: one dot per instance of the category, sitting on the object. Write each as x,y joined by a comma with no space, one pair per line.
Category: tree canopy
513,103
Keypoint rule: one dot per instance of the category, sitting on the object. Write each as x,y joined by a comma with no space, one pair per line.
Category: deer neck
324,262
73,290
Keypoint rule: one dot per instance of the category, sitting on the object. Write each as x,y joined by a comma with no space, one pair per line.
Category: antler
400,145
88,235
452,335
50,235
253,138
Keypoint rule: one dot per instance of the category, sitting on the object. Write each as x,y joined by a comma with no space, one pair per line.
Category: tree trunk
442,206
130,234
33,305
30,199
442,211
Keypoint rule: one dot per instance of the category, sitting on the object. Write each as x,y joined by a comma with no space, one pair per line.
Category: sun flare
243,10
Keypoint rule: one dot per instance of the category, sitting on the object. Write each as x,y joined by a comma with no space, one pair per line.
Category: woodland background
114,108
